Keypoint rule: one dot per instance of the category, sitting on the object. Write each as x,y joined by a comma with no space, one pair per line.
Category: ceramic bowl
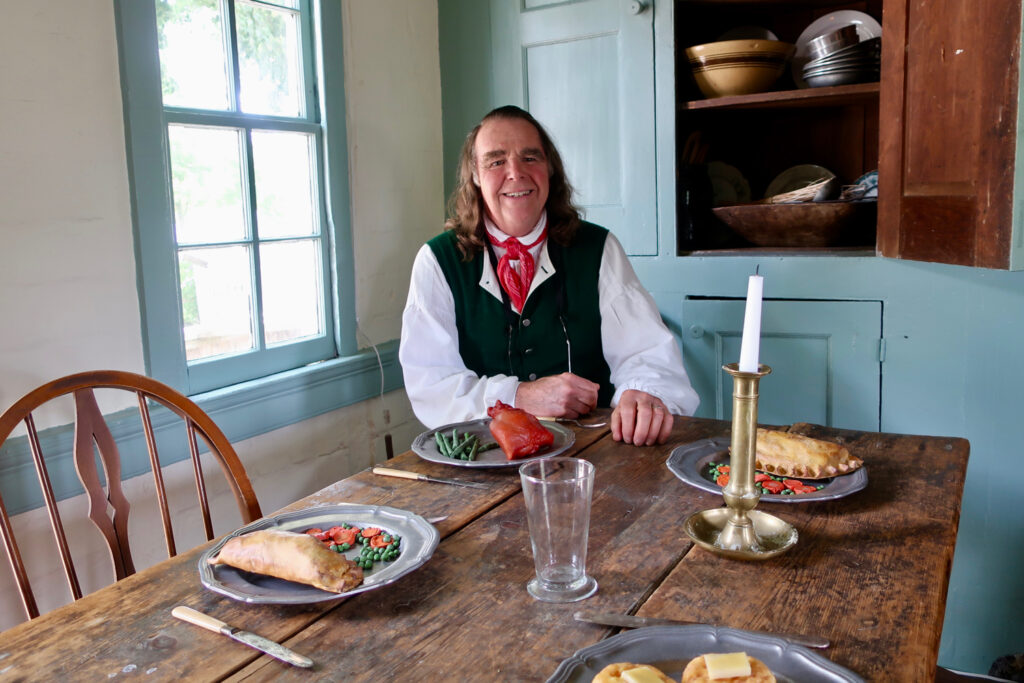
806,224
738,67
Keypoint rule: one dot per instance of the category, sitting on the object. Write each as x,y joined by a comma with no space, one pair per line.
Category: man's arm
646,364
441,388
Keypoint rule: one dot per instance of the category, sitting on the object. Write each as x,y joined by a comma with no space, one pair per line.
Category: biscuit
697,672
613,673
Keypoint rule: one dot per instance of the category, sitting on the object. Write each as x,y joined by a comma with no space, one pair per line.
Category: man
521,301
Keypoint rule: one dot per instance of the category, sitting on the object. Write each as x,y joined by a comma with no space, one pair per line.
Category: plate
425,446
867,28
689,461
796,178
419,539
728,186
669,648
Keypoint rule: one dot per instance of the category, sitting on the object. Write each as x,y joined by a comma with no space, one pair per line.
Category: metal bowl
828,43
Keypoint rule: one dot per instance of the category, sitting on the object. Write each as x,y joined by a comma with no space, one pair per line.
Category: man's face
512,174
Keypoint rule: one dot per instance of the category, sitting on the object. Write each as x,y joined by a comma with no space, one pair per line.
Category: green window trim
151,207
241,411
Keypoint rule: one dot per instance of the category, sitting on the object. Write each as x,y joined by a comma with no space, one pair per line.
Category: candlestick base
737,530
756,537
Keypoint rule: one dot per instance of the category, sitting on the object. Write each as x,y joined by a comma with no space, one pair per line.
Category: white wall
68,298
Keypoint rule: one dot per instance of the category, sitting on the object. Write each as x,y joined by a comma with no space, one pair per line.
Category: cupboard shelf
837,96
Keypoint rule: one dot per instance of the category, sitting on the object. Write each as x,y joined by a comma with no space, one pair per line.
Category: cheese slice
641,674
727,665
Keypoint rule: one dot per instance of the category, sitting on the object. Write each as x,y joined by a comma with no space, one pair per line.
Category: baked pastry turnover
290,556
793,455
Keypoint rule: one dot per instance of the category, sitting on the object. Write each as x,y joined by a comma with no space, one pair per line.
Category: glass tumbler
557,492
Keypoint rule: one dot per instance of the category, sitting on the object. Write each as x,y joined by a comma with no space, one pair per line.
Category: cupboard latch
881,350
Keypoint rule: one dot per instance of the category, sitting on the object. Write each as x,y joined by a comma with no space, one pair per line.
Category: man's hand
640,419
564,395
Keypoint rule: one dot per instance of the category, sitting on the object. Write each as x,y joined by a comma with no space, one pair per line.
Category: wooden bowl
805,224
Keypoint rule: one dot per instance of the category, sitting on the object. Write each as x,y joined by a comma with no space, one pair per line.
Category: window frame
146,122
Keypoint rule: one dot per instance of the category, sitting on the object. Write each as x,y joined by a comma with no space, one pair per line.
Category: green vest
535,346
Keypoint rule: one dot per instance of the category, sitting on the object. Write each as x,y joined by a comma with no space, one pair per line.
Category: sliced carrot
774,486
370,532
724,469
792,484
761,476
342,535
722,480
379,542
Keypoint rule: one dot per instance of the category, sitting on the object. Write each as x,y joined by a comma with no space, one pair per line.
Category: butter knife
632,621
405,474
251,639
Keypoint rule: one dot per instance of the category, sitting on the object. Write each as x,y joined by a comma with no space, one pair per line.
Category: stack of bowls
841,58
738,67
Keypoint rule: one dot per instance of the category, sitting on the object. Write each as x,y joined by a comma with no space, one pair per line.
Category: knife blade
260,643
633,621
404,474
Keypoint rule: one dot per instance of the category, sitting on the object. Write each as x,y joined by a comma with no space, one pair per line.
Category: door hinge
881,350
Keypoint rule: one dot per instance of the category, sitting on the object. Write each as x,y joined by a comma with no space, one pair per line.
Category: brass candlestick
737,530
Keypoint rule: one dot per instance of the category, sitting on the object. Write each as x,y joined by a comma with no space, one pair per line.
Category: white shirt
640,351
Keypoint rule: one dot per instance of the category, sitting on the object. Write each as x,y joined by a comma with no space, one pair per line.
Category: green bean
473,450
463,447
441,445
487,446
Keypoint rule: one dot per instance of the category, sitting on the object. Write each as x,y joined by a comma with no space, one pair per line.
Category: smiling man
521,301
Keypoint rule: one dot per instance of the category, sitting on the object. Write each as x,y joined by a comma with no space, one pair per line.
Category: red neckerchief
516,285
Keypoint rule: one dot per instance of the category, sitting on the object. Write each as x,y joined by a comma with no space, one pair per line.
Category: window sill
241,411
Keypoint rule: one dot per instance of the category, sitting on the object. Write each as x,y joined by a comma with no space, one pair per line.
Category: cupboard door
948,130
824,357
585,70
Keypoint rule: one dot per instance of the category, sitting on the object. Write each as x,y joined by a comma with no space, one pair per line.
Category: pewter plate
669,648
419,539
425,445
689,461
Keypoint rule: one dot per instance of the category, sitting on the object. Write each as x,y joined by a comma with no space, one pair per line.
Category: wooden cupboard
940,125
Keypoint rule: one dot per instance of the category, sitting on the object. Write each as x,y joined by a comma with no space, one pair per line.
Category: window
228,111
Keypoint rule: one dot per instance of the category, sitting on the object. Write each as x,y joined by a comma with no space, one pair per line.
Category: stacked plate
836,49
858,63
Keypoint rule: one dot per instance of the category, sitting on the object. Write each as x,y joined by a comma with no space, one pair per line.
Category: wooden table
869,572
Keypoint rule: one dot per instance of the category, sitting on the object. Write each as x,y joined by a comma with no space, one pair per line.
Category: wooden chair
91,427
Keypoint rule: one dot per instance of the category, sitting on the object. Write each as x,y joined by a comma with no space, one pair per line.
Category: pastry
624,672
793,455
711,667
290,556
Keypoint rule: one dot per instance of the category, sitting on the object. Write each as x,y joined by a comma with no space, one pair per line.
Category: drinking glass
557,492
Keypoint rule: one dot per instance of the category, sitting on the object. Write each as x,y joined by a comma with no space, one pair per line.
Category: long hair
466,205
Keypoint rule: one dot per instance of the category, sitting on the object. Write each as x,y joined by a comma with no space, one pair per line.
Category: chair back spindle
94,440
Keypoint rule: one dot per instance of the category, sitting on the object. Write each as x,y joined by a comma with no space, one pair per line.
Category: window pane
268,60
193,59
292,291
216,301
206,175
285,189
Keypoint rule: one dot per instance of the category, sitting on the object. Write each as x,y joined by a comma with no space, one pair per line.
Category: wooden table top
870,572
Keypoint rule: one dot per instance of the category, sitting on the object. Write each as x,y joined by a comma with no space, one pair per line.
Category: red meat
517,432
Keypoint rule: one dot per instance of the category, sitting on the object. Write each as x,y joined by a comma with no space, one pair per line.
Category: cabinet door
948,131
585,69
824,357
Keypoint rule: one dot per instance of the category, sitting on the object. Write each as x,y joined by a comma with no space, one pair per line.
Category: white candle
751,341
